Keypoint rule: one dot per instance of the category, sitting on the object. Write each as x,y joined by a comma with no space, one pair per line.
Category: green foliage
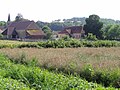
2,23
91,37
47,31
106,78
11,84
93,25
1,36
40,79
66,38
87,72
75,21
63,43
111,32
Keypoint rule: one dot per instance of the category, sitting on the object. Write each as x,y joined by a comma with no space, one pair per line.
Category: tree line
102,31
100,28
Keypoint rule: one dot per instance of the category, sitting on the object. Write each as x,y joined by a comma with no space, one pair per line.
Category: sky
50,10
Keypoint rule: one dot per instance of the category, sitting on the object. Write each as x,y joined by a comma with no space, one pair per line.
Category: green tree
105,31
2,23
93,25
111,32
48,32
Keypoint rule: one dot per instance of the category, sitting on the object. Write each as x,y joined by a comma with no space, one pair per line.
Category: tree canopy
93,25
19,17
47,31
2,23
111,32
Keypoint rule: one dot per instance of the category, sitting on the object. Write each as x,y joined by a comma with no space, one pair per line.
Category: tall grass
101,65
41,79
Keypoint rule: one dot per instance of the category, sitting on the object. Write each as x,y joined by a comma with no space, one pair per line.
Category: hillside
57,25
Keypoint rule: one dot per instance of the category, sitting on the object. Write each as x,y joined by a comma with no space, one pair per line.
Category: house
74,32
23,30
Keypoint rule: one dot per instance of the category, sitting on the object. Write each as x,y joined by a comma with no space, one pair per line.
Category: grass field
101,65
99,58
23,77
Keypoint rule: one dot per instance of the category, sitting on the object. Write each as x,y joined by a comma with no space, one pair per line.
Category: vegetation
91,37
2,23
63,68
93,25
41,79
47,31
99,65
61,43
75,21
11,84
111,32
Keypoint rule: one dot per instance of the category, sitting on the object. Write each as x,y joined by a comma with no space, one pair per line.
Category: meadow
101,65
95,61
26,77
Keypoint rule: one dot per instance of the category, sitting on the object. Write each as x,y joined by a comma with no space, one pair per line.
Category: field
99,58
26,77
99,65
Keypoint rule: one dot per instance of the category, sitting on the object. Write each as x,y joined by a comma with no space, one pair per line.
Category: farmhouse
23,30
74,32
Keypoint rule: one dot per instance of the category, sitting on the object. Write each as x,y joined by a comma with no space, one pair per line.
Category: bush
11,84
91,37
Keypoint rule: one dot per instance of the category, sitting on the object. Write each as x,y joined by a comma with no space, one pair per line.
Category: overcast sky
48,10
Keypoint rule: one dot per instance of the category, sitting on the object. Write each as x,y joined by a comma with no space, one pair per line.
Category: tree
2,23
19,17
111,32
8,18
47,31
93,25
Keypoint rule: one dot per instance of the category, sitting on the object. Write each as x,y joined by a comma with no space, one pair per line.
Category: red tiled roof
71,30
75,29
63,32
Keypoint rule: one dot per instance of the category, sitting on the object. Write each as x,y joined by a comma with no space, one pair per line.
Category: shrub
92,37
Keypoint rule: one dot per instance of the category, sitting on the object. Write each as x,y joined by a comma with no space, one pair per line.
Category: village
26,30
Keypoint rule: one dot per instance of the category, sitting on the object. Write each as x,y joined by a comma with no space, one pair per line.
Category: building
74,32
23,30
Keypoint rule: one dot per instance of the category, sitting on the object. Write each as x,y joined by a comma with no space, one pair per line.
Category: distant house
23,30
74,32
